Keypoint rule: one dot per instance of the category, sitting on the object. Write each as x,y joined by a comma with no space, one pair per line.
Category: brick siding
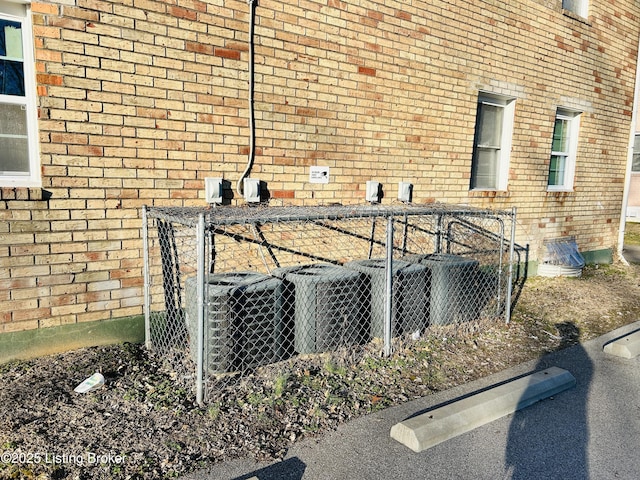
140,101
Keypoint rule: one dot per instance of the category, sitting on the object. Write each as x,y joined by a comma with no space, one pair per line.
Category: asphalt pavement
631,253
591,431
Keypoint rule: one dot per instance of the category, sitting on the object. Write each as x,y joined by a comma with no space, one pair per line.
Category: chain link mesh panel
281,282
170,268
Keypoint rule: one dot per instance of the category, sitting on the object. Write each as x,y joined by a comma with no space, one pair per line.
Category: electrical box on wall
405,189
373,191
252,190
213,190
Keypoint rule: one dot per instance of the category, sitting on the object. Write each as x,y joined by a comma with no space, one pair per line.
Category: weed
296,401
177,446
255,398
17,366
374,363
280,384
333,399
213,411
334,369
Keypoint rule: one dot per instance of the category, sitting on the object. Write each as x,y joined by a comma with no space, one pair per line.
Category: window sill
14,181
487,193
560,195
560,190
24,193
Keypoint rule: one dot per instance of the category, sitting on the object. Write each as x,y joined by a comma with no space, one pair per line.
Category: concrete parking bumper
627,346
452,419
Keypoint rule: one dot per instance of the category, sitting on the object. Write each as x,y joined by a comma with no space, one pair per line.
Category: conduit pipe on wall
252,131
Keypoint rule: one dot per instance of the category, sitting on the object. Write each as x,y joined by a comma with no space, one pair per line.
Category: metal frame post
507,309
146,273
200,303
439,235
388,301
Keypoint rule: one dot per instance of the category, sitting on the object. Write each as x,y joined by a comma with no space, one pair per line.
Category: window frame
573,119
506,138
21,13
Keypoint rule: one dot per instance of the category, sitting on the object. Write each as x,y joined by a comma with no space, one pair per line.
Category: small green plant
255,398
374,363
177,446
334,369
214,410
131,395
334,399
280,385
18,366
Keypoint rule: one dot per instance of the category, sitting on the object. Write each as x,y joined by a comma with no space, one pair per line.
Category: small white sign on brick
319,174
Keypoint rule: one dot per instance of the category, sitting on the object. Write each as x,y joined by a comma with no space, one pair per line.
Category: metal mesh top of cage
234,215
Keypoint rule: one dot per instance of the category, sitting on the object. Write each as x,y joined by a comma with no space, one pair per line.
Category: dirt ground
141,425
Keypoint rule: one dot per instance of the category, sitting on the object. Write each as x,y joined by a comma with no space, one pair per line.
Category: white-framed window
579,7
635,164
492,143
19,162
564,146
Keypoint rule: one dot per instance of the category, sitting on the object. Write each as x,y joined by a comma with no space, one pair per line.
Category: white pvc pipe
147,269
627,182
200,276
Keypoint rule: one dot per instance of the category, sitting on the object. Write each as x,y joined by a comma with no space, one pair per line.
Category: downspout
252,132
627,181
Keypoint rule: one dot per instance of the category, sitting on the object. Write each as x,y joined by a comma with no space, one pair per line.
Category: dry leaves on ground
141,424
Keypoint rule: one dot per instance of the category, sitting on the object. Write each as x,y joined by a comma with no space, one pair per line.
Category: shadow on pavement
289,469
552,442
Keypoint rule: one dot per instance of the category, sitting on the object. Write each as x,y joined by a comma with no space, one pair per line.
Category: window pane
490,128
14,152
556,170
485,172
635,166
11,78
561,136
11,59
575,6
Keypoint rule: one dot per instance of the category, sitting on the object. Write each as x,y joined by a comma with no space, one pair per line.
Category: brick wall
140,101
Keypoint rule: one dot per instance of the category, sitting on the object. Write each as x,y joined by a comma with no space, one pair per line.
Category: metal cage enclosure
230,289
